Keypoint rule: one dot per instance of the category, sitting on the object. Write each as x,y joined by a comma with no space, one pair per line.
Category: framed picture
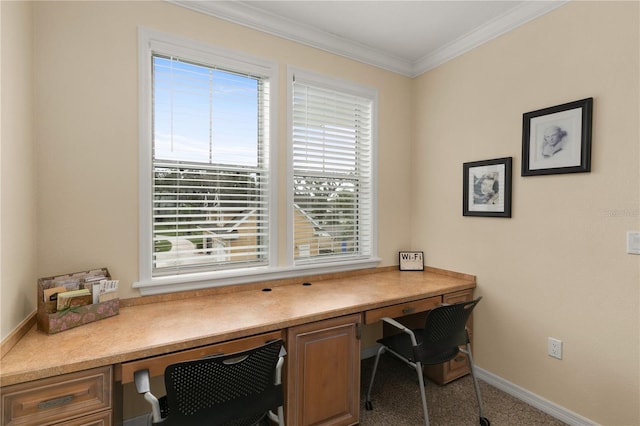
411,261
486,188
557,139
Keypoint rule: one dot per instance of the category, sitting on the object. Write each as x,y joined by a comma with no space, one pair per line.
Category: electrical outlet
554,348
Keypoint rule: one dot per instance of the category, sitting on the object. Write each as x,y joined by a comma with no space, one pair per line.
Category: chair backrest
444,331
234,390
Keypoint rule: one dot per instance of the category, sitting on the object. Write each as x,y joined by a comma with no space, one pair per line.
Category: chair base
442,338
483,421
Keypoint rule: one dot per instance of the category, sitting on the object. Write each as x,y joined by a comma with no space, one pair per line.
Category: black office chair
238,389
439,341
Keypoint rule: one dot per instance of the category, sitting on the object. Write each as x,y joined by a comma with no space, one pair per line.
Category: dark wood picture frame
486,188
557,140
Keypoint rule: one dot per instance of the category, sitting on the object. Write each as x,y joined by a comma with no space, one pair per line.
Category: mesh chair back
444,331
229,390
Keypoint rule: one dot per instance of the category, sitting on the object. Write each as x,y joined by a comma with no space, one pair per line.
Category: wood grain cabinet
457,367
417,308
156,365
75,399
412,315
323,372
100,419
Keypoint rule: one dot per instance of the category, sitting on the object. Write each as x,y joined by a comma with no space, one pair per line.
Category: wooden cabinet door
323,373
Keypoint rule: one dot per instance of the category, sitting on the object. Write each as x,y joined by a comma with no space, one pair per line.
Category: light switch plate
633,242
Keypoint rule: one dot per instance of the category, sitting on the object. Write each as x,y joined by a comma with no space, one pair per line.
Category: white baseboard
137,421
369,352
544,405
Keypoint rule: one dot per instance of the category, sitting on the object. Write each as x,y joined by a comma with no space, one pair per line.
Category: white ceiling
406,37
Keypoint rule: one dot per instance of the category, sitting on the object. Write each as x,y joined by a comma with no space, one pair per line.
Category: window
205,161
332,151
210,168
208,176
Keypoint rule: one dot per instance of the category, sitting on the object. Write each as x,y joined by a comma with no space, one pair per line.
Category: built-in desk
149,327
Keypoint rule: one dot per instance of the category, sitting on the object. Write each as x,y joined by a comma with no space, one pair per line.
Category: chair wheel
368,405
484,421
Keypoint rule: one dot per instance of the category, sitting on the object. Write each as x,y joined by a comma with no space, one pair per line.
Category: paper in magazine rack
66,319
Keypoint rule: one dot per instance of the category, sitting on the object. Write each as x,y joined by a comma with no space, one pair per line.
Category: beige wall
17,172
558,267
87,129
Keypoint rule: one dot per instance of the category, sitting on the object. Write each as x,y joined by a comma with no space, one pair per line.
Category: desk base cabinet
100,419
440,373
82,398
323,373
457,367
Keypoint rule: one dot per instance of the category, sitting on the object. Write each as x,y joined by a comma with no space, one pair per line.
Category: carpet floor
396,401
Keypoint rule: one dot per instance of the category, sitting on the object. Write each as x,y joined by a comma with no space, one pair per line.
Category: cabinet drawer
402,309
99,419
458,366
458,296
48,401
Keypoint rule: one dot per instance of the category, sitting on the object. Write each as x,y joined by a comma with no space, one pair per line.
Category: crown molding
503,24
246,15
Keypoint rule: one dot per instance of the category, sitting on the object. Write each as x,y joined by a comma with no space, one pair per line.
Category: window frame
281,263
150,42
332,264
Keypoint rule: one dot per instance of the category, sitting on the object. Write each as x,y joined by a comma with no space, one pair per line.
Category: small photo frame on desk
411,260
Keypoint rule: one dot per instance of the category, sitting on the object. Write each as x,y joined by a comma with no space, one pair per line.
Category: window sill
200,281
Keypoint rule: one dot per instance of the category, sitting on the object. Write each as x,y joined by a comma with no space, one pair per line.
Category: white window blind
210,167
332,173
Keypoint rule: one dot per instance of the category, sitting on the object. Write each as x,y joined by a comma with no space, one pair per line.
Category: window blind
332,173
210,167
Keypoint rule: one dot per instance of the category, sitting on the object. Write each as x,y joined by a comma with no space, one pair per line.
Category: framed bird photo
486,188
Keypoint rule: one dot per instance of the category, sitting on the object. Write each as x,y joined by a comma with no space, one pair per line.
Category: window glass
332,172
208,171
210,187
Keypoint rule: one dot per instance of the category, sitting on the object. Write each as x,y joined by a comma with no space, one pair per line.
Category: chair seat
401,344
249,420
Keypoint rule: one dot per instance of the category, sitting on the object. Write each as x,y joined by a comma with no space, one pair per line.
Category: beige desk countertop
169,325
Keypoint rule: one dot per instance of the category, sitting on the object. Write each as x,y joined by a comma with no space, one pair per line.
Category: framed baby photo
486,188
557,140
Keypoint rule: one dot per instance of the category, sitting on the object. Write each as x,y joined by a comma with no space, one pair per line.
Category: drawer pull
408,310
459,359
55,402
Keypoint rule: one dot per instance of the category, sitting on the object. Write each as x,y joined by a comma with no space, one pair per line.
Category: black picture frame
411,261
557,139
486,188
